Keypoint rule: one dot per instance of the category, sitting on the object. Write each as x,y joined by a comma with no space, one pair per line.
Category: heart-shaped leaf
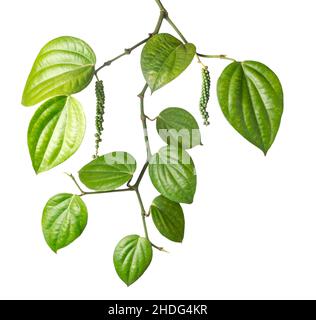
132,256
64,66
164,58
64,219
168,218
55,132
251,98
177,126
172,172
108,172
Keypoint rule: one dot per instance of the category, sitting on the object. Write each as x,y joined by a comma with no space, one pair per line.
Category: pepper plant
249,94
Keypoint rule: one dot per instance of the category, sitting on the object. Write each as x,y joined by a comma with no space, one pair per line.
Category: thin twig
75,181
126,52
143,212
216,56
159,248
140,177
109,191
84,193
176,29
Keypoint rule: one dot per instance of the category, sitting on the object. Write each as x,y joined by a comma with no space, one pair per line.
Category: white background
251,232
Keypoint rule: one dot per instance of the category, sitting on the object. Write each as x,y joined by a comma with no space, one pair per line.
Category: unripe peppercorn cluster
99,118
205,95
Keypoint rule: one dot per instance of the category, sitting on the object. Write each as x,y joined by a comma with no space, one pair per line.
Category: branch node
164,13
150,119
128,51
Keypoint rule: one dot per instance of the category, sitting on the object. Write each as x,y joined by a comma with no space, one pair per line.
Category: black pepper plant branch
163,16
141,95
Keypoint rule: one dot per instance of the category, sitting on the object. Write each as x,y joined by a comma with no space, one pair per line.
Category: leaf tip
189,201
53,248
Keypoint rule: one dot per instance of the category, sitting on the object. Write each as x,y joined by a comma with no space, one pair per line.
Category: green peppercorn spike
100,97
205,95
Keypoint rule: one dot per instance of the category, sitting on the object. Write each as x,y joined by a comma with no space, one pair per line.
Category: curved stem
126,52
216,56
143,212
144,122
158,248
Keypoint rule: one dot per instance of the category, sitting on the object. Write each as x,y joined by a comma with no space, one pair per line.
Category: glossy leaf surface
177,126
132,256
251,98
64,219
64,66
108,172
55,132
168,218
172,172
164,58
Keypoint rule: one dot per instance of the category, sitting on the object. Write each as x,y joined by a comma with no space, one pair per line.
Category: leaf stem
102,192
218,56
176,29
75,181
84,193
158,248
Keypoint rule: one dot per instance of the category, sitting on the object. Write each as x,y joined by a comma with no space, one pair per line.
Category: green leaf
177,126
164,58
108,172
64,219
132,256
251,98
168,218
55,132
64,66
172,173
